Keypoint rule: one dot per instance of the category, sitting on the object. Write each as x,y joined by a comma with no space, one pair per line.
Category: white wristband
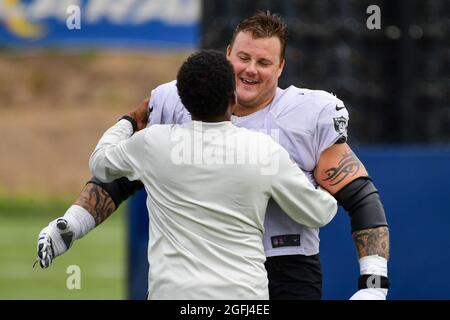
373,265
80,219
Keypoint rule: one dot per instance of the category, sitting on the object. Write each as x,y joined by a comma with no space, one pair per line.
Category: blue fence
414,183
105,23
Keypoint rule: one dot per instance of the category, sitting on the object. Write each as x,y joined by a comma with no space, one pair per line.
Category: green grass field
100,255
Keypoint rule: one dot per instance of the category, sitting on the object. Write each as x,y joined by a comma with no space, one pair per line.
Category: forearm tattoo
97,202
373,241
348,165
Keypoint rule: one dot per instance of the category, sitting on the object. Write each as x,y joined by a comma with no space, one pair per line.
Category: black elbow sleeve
361,200
120,189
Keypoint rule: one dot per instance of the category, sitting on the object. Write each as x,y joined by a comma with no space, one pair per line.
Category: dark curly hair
206,84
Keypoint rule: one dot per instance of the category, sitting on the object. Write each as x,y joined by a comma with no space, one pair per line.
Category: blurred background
62,83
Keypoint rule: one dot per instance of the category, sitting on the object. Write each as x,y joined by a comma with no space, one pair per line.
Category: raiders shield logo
340,125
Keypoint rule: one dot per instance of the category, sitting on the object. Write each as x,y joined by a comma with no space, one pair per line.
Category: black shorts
294,277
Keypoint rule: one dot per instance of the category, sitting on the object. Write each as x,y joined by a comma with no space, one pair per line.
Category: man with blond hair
312,126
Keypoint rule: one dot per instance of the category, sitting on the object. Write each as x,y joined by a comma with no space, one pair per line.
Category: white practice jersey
305,122
208,195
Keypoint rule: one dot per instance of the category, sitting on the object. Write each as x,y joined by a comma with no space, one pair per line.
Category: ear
228,52
280,71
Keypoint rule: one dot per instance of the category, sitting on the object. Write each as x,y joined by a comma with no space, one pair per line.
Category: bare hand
140,114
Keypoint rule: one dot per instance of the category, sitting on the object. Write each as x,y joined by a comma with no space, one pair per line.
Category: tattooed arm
95,200
94,205
373,241
339,169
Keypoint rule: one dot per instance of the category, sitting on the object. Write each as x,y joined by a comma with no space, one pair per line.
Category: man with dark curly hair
312,126
206,86
208,193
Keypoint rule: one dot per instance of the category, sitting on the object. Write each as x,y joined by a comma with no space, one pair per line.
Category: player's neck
219,118
242,109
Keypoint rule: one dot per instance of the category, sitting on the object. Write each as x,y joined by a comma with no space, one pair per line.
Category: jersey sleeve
332,123
165,106
296,195
118,153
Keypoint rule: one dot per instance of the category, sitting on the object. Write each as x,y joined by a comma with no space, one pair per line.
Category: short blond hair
264,24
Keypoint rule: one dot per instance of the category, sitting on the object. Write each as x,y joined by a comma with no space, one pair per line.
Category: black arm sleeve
361,200
120,189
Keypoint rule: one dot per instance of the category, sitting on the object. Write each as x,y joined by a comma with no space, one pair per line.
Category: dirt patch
55,106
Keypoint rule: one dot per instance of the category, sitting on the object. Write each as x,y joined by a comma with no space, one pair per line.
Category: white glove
372,265
370,294
60,234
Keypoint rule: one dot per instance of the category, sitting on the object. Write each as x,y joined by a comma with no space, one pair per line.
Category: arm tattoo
97,202
373,241
349,164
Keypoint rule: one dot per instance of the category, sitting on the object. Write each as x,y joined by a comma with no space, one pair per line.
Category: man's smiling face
257,65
